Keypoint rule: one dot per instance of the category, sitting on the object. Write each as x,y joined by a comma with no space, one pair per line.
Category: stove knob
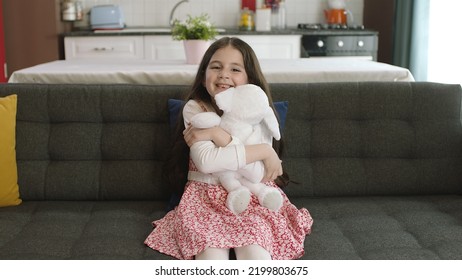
360,43
320,43
340,44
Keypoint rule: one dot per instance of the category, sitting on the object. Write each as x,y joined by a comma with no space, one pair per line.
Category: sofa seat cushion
414,227
78,230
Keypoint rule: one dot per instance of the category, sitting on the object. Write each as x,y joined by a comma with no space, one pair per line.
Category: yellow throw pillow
9,189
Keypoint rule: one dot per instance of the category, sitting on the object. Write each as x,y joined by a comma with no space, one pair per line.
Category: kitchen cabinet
161,47
158,47
104,47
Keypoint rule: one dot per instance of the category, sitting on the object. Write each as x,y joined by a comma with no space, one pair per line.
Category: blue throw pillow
175,106
281,108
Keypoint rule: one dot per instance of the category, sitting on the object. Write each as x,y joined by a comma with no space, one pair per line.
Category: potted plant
196,34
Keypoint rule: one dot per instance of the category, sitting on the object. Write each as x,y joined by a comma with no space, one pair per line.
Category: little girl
201,226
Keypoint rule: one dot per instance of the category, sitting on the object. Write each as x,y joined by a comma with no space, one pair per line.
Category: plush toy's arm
205,120
272,123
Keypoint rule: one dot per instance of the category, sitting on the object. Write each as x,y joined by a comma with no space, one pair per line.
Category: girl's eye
236,70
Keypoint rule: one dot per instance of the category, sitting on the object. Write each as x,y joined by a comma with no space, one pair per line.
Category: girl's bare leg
252,252
213,254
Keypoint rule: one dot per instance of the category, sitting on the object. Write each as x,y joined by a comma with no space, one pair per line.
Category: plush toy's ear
272,123
224,99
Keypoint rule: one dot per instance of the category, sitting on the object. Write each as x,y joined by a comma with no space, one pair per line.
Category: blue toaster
106,17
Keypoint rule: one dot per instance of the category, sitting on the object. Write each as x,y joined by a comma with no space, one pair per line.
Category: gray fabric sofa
378,164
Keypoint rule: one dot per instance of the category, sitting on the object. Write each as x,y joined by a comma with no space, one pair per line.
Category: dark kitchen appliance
338,40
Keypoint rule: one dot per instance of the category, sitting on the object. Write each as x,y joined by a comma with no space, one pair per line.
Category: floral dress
202,220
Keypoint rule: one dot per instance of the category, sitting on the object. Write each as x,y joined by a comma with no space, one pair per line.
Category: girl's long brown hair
176,167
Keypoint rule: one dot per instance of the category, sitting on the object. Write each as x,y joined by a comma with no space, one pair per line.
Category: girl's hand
216,134
192,135
273,167
269,157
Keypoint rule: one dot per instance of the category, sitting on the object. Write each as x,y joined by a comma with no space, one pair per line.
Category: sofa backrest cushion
92,142
373,138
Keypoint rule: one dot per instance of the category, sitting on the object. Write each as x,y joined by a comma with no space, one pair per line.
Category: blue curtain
410,47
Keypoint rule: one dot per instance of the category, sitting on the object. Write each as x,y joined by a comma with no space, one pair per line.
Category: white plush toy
248,116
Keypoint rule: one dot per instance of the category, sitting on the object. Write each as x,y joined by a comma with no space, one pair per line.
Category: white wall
224,13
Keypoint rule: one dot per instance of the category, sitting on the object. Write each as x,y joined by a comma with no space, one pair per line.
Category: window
445,42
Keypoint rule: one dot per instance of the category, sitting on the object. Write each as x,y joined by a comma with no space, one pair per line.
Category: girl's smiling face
225,69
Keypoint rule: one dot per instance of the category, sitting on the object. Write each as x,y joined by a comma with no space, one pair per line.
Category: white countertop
176,72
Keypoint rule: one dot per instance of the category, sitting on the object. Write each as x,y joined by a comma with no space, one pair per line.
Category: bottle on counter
278,13
282,22
263,19
274,5
78,10
246,20
68,11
